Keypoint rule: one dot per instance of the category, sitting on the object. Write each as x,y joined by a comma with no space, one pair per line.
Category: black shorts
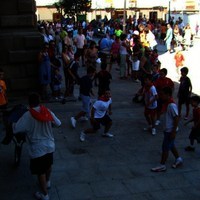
104,121
195,135
40,165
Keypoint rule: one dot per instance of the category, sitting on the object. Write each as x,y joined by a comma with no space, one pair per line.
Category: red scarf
165,105
103,98
42,115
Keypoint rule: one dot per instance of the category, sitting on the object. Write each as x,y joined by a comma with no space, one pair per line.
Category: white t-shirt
39,134
149,95
80,41
101,108
172,112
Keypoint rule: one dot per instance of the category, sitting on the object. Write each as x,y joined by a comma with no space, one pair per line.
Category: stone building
20,44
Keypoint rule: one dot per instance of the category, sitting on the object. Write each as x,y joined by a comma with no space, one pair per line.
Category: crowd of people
134,53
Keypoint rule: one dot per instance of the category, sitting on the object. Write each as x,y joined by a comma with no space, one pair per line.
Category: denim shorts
85,103
168,143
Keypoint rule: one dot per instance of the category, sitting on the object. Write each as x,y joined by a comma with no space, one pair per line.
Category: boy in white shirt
100,116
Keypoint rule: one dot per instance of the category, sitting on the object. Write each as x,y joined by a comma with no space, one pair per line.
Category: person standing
123,56
80,42
168,38
37,124
44,71
150,97
184,92
170,131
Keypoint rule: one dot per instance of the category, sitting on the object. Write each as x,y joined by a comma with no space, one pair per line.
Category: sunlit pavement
104,168
192,61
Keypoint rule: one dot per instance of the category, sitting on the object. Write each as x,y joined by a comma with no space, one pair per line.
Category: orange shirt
179,59
3,99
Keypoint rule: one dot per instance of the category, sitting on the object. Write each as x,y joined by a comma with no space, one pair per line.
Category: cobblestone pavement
108,169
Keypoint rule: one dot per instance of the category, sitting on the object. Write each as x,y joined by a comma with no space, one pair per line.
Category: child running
179,60
100,115
85,92
195,132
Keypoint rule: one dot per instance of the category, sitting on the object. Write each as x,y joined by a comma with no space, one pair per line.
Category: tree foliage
74,7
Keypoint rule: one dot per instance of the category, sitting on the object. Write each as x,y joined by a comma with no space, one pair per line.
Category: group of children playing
157,100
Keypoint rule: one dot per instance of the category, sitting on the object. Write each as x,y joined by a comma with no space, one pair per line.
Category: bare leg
164,157
175,152
43,183
107,127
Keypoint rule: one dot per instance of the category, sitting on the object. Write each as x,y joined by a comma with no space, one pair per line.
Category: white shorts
135,65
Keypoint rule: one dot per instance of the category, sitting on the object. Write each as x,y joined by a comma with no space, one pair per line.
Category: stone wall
20,43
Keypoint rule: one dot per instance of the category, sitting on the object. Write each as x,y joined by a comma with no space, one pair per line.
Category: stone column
20,43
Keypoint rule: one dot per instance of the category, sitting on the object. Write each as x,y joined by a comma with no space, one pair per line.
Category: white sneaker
110,135
82,136
40,196
177,163
157,122
73,122
153,131
84,118
160,168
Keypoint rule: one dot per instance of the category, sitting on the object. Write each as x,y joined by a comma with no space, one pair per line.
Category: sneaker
48,184
160,168
178,163
82,136
157,122
73,122
40,196
153,131
189,148
110,135
84,118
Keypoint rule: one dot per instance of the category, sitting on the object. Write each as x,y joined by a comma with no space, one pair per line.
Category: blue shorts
168,143
85,104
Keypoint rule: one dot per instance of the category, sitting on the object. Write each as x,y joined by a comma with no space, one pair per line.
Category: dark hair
90,70
167,91
123,36
34,99
185,70
149,77
195,99
164,70
103,66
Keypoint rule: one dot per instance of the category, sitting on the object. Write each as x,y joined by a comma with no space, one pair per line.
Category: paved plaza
110,169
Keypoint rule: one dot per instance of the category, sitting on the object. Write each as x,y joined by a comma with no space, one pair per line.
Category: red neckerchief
42,115
164,106
103,98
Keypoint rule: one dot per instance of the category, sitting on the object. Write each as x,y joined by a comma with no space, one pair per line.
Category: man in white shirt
37,124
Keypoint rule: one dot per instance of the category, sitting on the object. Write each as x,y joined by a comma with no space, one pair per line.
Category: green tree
75,7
